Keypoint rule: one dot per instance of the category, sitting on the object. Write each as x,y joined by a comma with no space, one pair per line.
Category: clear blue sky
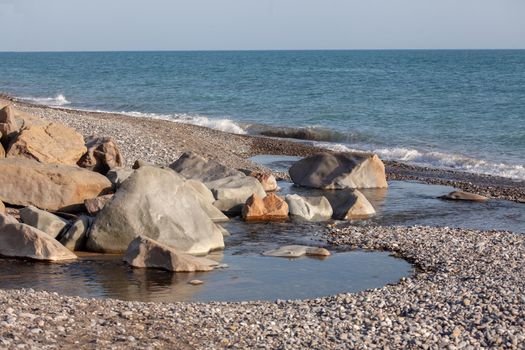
49,25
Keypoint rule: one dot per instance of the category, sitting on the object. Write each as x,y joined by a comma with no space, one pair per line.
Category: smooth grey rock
339,171
74,238
349,204
193,166
232,192
206,199
309,208
158,204
464,196
118,176
43,220
201,188
295,251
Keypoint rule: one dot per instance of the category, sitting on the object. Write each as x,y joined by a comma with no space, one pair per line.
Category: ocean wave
439,160
57,101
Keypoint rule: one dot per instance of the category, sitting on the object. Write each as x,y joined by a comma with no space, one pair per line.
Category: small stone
196,282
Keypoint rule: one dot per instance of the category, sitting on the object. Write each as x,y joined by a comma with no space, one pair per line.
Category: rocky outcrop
95,205
339,171
232,192
350,205
50,143
266,208
155,203
74,238
464,196
51,187
145,252
268,181
192,166
43,220
296,251
309,208
24,241
102,155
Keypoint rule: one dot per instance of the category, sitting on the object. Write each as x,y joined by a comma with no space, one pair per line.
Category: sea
454,109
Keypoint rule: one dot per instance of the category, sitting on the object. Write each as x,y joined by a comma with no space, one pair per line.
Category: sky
93,25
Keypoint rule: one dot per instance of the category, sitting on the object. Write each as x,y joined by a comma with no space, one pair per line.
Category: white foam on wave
440,160
58,100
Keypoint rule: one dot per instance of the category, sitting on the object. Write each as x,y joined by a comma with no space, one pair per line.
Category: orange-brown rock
268,181
102,155
50,143
268,208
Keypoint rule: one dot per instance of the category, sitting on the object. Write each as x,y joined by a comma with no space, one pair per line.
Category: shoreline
161,141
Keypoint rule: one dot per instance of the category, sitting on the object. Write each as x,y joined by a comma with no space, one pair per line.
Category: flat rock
309,208
464,196
24,241
349,205
155,203
295,251
2,151
95,205
51,143
147,253
52,187
102,155
193,166
339,171
74,238
232,192
271,207
43,220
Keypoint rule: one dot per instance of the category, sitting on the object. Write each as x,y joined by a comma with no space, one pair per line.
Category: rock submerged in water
267,208
23,241
296,251
43,220
350,205
339,171
53,187
464,196
309,208
155,203
147,253
102,155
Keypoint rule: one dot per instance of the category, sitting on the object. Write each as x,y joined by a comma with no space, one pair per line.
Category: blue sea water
455,109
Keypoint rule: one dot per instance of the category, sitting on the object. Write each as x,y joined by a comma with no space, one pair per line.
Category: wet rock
24,241
118,176
102,155
295,251
43,220
51,143
193,166
349,205
155,203
464,196
232,192
51,187
196,282
145,252
309,208
339,171
95,205
75,236
266,208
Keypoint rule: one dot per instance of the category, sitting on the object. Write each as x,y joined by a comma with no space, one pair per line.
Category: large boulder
145,252
309,208
296,251
24,241
49,143
74,238
193,166
102,155
350,205
8,125
158,204
43,220
232,192
51,187
339,171
464,196
266,208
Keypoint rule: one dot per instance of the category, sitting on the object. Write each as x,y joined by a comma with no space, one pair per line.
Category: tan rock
50,143
8,124
464,196
146,252
51,187
94,205
102,155
23,241
2,151
268,181
43,220
268,208
2,208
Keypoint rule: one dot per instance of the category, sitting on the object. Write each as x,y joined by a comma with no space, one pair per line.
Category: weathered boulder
24,241
309,208
145,252
464,196
192,166
2,208
268,181
50,143
349,204
74,238
51,187
8,125
295,251
206,200
102,155
118,176
271,207
339,171
201,188
155,203
232,192
95,205
43,220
